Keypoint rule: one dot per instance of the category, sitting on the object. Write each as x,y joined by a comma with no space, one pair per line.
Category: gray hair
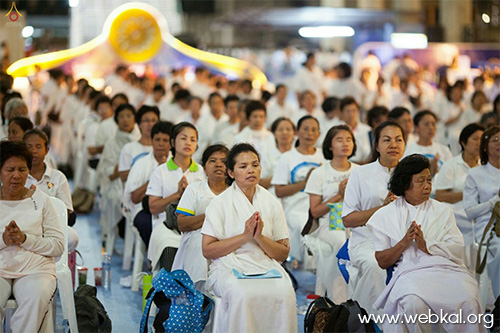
12,104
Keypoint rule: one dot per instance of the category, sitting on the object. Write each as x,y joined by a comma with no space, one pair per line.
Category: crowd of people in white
217,175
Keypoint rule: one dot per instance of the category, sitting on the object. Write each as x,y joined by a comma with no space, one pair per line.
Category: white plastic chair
63,273
128,244
139,253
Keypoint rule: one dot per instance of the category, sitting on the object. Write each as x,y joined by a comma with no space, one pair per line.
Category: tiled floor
123,306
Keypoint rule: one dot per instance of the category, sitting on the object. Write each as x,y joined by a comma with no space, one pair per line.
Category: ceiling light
409,41
326,31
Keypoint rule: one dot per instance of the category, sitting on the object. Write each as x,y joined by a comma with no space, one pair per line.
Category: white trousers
366,278
33,294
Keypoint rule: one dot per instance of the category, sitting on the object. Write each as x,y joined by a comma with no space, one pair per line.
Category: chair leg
110,241
65,287
140,250
128,246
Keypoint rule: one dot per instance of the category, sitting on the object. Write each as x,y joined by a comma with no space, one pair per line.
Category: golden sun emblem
135,35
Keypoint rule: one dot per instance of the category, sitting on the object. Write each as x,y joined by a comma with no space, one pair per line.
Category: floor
123,306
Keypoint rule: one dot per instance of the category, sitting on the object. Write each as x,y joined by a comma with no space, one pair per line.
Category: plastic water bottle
106,271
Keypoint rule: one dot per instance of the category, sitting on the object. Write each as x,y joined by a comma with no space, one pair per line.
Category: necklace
23,194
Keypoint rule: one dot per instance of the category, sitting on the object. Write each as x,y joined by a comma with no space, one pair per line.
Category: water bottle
106,271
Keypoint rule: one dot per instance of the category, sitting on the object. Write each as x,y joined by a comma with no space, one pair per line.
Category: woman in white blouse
30,238
325,186
481,193
366,192
450,180
290,178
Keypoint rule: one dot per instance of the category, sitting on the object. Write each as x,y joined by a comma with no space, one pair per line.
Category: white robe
249,305
439,281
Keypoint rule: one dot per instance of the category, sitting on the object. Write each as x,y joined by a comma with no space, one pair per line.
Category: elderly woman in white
30,238
245,234
420,237
481,193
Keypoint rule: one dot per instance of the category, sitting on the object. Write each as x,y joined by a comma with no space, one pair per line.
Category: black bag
171,219
495,328
325,316
90,313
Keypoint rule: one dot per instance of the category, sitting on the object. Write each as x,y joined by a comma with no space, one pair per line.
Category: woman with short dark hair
481,193
419,236
244,234
30,238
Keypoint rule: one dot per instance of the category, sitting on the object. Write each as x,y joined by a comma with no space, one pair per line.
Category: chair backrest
62,214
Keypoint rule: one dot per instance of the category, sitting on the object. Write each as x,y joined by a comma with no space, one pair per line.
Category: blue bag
181,307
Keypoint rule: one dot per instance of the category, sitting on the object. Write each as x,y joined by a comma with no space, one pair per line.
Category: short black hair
121,108
330,104
348,100
231,98
378,132
401,177
164,127
120,95
487,116
159,88
145,109
327,142
345,68
279,86
211,150
276,123
234,152
485,139
182,94
398,112
467,132
253,106
176,130
266,96
14,149
421,114
102,100
38,132
214,95
375,113
22,122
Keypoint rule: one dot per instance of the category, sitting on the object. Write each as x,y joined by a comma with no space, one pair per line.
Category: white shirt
195,199
54,184
227,135
292,168
263,140
366,189
274,111
324,181
206,132
316,113
341,88
165,179
138,176
430,151
481,195
312,80
363,147
106,130
130,153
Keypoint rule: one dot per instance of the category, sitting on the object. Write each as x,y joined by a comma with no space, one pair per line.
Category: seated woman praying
420,237
245,230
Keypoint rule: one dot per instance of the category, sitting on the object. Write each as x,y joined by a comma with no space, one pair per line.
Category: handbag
495,221
182,308
171,219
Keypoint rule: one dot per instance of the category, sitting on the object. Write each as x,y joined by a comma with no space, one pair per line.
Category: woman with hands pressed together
166,186
245,230
30,238
419,236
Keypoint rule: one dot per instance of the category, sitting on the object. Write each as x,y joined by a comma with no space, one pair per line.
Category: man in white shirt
402,117
177,109
107,126
210,121
199,87
349,114
231,108
278,107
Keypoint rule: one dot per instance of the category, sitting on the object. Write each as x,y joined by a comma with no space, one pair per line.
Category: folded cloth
267,275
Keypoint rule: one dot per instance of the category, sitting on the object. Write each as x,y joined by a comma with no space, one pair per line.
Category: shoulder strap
147,309
481,263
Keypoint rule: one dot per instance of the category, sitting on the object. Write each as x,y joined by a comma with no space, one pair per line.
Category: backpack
181,307
90,313
325,316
